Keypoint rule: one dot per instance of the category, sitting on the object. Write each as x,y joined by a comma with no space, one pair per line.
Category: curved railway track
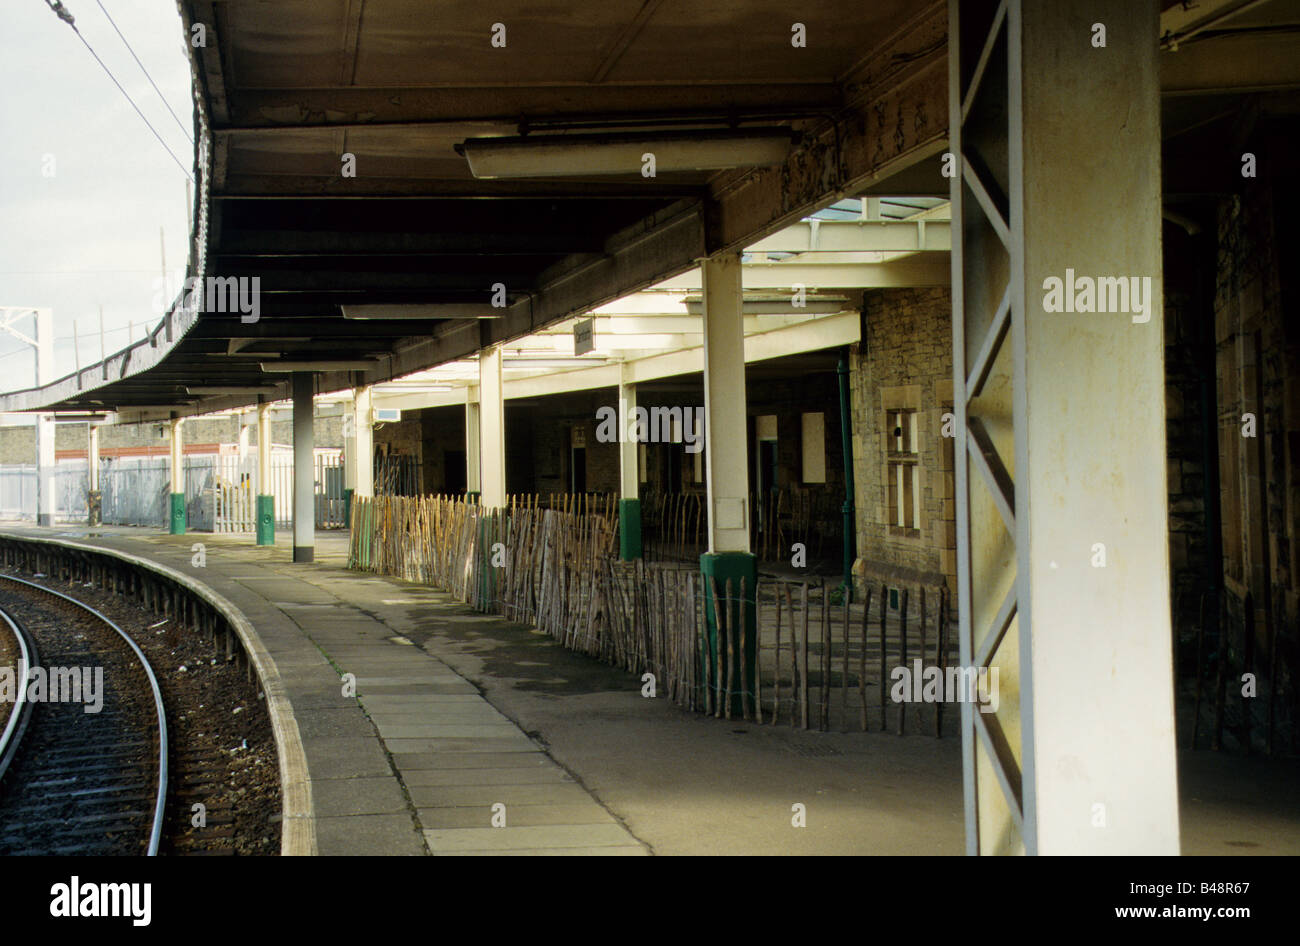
72,781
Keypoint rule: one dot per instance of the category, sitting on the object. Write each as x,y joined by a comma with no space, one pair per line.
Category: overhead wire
63,14
185,131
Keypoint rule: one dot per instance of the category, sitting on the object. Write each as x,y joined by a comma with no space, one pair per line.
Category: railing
821,662
220,491
674,525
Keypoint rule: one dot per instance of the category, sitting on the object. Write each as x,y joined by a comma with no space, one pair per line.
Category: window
904,472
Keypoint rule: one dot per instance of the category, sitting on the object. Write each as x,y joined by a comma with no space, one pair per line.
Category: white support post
628,448
473,476
304,467
265,509
492,429
264,449
629,480
725,447
176,509
92,457
45,461
94,509
364,444
1062,505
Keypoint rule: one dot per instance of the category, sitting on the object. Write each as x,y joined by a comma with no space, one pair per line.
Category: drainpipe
846,440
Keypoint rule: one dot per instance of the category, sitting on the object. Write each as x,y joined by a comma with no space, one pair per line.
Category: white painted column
45,429
177,466
725,447
304,467
363,483
264,449
473,477
176,512
492,428
264,509
92,457
629,479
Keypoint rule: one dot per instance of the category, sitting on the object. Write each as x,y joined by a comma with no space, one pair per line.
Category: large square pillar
492,429
304,467
726,460
629,503
1058,376
265,497
176,501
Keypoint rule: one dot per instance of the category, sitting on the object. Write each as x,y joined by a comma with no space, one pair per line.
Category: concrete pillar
492,429
304,467
265,496
93,496
473,480
358,450
45,461
176,513
726,456
629,503
1062,537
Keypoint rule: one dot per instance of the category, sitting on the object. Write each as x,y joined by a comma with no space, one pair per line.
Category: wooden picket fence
821,663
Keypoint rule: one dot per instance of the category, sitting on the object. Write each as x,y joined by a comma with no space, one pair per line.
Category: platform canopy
389,170
339,143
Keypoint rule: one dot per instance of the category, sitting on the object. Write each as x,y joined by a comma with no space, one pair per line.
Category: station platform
456,712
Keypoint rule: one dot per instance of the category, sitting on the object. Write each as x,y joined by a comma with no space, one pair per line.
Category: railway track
83,769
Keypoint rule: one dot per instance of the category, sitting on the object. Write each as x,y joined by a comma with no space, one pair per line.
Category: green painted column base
629,529
177,516
718,567
472,497
266,520
347,507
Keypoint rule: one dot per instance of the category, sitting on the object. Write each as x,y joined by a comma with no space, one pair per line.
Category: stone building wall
904,363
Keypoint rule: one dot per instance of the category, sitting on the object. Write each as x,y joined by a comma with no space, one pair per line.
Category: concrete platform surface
457,712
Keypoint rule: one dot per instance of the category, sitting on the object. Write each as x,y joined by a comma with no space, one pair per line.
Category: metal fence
220,491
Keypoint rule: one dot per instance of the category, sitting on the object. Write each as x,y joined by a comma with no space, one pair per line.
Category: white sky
89,235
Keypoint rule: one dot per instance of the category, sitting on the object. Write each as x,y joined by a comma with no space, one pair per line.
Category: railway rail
83,753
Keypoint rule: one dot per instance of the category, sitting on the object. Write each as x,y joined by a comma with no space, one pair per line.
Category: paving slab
376,758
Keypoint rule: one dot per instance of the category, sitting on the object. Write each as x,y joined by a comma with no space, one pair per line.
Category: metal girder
830,236
508,104
930,269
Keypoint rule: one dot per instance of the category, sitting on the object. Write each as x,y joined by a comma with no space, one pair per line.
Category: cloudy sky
84,186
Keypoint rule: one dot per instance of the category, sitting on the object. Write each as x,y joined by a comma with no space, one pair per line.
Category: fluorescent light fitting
577,155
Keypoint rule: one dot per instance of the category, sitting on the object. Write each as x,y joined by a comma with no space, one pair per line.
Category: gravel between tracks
223,753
